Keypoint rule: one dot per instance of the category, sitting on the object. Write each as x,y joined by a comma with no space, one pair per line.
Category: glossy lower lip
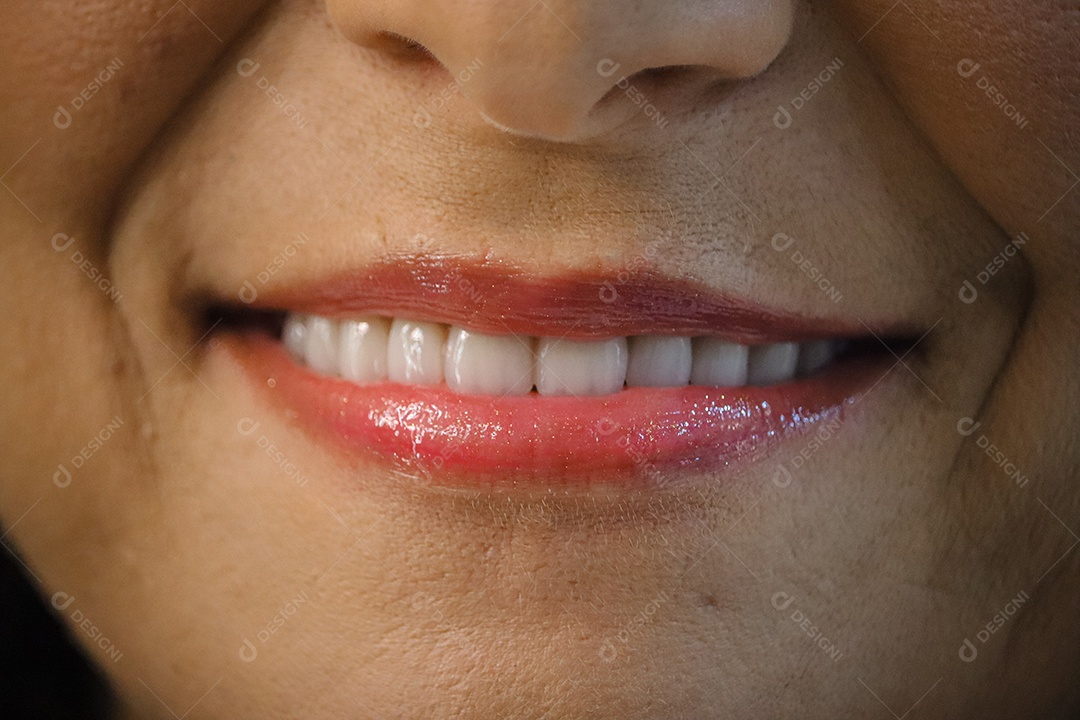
640,437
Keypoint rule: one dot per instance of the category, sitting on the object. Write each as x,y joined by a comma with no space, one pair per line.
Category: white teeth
771,364
814,355
580,367
488,364
293,335
415,352
718,363
320,345
372,349
657,361
362,349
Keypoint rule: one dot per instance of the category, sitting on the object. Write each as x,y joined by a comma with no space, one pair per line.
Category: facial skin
900,178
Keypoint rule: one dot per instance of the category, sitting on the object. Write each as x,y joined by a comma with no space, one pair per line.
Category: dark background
42,672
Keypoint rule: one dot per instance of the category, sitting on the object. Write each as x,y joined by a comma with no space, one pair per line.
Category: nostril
401,46
667,73
651,83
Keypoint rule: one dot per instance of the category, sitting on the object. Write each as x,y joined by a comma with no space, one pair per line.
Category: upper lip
498,298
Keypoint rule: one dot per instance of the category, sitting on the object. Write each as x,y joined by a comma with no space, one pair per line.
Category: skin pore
899,177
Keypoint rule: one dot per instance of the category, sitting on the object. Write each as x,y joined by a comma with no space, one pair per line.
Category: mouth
464,374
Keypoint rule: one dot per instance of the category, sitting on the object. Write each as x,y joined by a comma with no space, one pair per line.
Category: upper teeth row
371,349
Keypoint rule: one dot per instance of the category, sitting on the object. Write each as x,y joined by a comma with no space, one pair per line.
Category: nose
564,70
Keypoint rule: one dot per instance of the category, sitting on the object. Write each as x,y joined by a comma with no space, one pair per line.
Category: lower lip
644,437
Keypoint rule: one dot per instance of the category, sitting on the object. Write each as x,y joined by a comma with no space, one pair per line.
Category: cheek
993,86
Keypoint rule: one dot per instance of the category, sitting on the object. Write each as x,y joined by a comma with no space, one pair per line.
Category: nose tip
563,70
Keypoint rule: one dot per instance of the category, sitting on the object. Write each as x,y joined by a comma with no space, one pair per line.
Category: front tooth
321,346
771,364
580,367
415,352
293,335
657,361
362,349
488,364
813,356
718,363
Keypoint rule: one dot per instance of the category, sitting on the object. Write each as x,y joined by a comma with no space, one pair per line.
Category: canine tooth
320,345
813,356
658,361
488,364
719,363
772,364
415,352
580,367
293,334
362,346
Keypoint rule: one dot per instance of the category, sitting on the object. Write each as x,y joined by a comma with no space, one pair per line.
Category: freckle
708,600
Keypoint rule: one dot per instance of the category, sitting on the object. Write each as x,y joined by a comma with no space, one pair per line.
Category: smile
405,363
